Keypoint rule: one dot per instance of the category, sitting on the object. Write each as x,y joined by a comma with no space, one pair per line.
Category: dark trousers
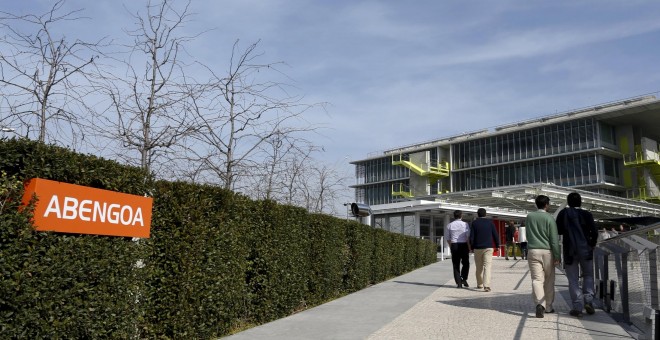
523,249
460,254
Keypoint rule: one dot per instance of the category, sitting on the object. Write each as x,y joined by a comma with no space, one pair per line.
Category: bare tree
284,160
44,75
241,113
151,103
319,187
292,175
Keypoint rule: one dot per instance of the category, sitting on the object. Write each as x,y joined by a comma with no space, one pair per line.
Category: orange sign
78,209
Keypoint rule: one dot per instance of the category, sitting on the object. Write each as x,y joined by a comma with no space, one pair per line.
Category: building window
607,135
610,168
409,227
425,227
548,140
565,171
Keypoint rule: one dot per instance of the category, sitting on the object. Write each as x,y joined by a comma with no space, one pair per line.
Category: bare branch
43,76
151,104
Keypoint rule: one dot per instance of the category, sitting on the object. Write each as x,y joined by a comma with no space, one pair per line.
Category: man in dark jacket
482,237
579,239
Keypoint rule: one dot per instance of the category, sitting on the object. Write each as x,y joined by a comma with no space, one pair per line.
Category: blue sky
397,73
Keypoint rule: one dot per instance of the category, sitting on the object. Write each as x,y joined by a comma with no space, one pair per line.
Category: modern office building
608,153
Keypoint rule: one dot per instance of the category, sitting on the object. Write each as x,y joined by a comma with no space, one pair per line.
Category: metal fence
626,278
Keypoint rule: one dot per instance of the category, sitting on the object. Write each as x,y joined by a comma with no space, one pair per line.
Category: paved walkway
425,304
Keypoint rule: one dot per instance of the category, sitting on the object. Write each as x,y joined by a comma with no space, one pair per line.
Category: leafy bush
59,285
195,263
359,239
328,253
278,264
216,261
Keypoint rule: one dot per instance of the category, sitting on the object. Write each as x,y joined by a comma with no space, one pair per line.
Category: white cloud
523,43
403,72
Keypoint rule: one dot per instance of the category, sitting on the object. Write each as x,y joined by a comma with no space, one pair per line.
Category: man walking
510,241
542,255
580,237
482,237
457,234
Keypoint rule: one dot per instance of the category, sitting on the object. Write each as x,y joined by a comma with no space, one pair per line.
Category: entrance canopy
516,201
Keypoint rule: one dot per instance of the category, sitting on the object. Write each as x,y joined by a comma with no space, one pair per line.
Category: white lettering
138,217
69,211
53,206
113,216
122,214
87,210
82,211
98,211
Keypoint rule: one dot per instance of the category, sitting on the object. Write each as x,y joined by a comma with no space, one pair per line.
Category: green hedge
216,262
360,245
328,252
278,265
195,262
64,285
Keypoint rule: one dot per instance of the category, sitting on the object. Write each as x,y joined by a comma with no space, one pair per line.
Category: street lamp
7,129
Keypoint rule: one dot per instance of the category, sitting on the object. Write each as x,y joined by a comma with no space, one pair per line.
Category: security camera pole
362,211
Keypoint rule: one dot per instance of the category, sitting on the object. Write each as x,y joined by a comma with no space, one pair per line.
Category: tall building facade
608,152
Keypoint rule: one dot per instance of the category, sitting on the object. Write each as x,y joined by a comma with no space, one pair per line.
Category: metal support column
607,302
625,305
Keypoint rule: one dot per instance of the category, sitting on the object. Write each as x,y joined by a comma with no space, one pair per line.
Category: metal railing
440,242
626,278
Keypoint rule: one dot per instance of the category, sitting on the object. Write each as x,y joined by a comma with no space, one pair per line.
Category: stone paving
507,312
425,304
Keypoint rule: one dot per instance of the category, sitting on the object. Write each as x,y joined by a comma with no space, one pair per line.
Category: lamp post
7,129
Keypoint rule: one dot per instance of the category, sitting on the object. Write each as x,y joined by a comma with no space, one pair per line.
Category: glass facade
542,141
409,227
439,226
425,227
378,170
567,153
397,223
572,170
380,193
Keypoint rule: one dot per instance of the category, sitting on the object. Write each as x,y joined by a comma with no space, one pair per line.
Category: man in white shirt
457,234
603,234
522,238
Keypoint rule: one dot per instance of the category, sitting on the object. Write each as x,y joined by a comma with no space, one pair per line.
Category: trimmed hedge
195,263
327,255
278,265
216,261
65,285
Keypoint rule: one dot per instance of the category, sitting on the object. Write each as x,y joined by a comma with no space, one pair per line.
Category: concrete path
425,304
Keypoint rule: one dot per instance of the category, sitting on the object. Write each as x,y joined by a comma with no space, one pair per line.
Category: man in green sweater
543,255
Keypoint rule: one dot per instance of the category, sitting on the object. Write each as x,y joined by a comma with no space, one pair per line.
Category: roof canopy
517,201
